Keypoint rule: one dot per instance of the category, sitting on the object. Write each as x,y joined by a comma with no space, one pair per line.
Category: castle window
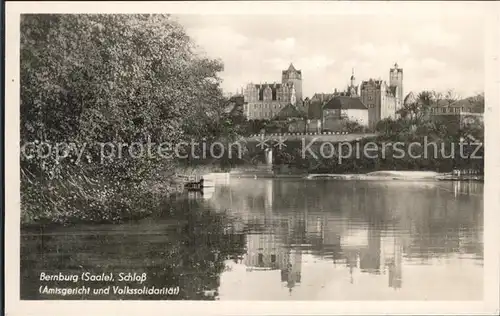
261,258
273,258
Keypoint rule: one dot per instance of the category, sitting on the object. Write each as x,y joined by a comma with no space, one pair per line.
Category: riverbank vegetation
436,143
119,80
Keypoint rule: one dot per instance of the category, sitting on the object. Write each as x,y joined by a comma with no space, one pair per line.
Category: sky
437,52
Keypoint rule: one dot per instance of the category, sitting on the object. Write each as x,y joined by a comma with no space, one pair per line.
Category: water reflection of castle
375,255
293,222
370,252
266,252
280,243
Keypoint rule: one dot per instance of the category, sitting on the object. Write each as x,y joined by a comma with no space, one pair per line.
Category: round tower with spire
352,89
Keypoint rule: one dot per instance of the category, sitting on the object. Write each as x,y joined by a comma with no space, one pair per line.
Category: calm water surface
281,239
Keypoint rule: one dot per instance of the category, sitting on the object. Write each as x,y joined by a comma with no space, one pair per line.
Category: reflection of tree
188,252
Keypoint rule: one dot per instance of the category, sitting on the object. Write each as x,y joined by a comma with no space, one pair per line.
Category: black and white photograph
291,153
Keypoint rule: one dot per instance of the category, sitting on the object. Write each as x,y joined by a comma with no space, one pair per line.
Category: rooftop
291,68
287,112
345,103
314,110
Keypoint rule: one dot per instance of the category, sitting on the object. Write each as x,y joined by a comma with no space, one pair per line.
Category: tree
451,96
416,111
477,102
351,126
111,78
114,79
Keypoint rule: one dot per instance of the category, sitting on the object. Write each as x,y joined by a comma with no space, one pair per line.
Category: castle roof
271,85
288,111
314,109
291,68
375,82
322,96
396,68
345,103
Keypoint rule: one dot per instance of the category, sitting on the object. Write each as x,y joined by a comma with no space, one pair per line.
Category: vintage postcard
268,157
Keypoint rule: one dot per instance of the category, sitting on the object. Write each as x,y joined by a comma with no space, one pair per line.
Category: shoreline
371,176
391,176
141,213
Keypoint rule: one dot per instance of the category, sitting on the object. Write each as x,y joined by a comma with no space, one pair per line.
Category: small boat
198,186
194,186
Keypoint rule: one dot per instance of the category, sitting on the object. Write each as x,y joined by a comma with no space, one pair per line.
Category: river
277,239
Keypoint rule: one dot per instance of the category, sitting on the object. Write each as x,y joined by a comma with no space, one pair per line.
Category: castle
266,100
383,100
380,99
373,99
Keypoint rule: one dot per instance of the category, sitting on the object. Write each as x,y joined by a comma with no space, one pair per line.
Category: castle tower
396,79
352,89
294,76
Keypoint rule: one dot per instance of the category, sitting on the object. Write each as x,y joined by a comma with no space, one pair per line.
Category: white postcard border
490,304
